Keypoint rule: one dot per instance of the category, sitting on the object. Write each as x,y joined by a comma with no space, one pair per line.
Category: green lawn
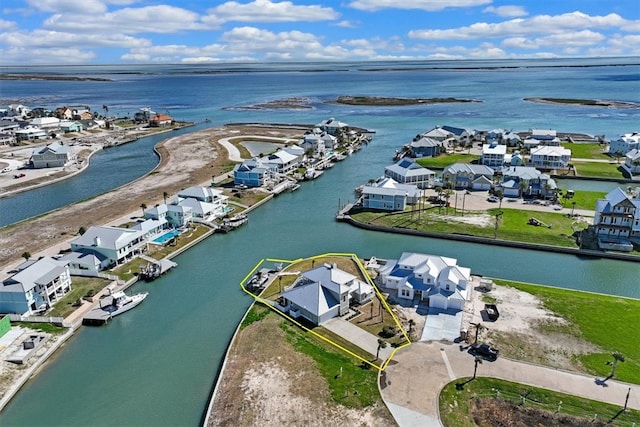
356,387
80,287
455,408
586,151
445,160
48,328
583,199
604,320
598,170
512,225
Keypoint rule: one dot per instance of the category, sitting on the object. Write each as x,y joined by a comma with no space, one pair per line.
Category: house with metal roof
116,245
177,216
625,143
332,126
632,161
252,173
37,285
525,181
493,155
468,176
436,279
389,195
617,221
323,293
548,157
407,171
282,161
207,195
52,155
423,146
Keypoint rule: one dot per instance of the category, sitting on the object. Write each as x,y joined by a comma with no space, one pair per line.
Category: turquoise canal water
156,365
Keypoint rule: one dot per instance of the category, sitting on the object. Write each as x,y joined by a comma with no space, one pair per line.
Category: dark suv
485,351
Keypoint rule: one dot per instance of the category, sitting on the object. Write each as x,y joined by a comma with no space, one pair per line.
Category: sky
60,32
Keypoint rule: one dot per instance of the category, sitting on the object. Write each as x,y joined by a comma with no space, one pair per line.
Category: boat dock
155,268
98,314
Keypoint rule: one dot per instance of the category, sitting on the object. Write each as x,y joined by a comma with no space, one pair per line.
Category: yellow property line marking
363,270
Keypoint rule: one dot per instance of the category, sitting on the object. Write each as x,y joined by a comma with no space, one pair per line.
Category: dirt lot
190,159
266,382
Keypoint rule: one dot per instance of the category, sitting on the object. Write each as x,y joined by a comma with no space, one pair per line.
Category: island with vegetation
392,101
585,102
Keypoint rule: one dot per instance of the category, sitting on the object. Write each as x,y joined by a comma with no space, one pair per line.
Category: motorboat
121,302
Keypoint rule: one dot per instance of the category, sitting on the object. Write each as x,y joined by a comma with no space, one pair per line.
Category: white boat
121,302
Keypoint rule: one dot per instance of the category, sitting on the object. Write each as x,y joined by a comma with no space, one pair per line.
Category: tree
26,255
381,344
106,109
411,324
500,195
143,206
617,357
164,196
447,192
479,327
476,361
82,230
523,186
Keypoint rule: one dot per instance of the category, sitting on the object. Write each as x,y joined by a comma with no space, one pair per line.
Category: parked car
485,351
493,199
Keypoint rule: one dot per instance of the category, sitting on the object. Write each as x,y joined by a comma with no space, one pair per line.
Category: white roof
547,150
494,149
40,272
109,237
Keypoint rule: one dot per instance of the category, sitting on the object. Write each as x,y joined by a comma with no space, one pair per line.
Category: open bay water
156,365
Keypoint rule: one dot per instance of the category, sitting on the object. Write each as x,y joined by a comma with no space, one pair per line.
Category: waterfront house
435,279
439,134
461,135
319,143
160,120
52,155
201,211
625,143
37,285
63,113
526,181
282,161
323,293
468,176
632,161
423,146
617,221
407,171
493,155
116,245
212,202
84,264
30,133
177,216
548,157
332,126
68,126
389,195
252,173
46,123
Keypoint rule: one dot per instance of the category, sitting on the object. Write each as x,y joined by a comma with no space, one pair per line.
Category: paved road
412,384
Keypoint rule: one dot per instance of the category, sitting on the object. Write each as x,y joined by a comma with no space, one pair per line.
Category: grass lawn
80,287
586,151
606,321
583,199
445,160
352,382
455,405
598,170
512,225
44,327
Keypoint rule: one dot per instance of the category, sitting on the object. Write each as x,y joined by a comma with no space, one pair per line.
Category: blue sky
193,31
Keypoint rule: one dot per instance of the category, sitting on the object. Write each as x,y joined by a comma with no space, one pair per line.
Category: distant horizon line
342,61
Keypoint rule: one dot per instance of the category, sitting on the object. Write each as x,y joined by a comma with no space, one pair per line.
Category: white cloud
150,19
428,5
579,38
519,43
7,25
267,11
507,11
347,24
52,39
542,24
46,56
68,6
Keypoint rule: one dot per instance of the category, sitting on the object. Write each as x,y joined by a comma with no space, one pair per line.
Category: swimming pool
161,240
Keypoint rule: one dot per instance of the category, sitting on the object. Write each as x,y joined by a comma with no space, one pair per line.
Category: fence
36,319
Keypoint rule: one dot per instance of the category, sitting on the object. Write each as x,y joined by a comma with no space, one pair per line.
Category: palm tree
447,195
479,327
523,187
500,195
26,255
381,344
477,361
164,196
617,357
143,206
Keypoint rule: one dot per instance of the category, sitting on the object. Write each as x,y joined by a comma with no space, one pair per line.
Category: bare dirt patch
527,331
266,382
186,160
